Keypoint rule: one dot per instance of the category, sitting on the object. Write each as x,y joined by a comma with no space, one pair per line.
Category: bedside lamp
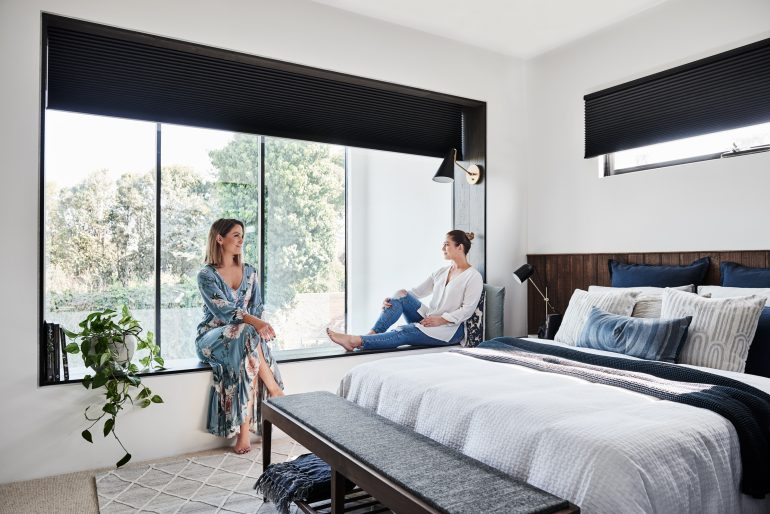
552,321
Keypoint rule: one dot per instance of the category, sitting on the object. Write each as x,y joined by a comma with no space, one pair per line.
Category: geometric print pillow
721,330
619,301
474,326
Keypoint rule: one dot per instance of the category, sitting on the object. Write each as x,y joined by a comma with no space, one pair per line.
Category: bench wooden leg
267,439
338,492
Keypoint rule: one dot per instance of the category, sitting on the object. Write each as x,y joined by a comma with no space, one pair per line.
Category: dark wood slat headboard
563,273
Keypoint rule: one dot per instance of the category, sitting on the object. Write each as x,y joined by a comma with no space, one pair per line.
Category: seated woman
232,338
456,293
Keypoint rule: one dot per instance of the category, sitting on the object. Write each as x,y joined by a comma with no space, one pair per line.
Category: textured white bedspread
605,449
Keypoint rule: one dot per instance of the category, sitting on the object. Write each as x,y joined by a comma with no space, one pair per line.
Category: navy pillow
758,361
642,275
737,275
655,339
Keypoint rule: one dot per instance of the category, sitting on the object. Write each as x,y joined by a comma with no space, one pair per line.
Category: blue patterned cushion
647,338
474,326
737,275
634,275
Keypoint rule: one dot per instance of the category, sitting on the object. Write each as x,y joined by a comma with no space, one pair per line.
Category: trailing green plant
103,346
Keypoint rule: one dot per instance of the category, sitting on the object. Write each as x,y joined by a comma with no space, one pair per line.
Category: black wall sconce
446,172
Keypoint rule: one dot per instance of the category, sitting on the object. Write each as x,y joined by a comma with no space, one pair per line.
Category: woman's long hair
221,227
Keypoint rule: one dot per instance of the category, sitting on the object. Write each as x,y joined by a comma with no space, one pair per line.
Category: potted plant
107,346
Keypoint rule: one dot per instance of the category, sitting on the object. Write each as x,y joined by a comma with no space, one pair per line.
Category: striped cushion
651,339
614,302
650,299
721,330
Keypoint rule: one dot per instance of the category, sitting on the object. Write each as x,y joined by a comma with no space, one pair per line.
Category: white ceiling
520,28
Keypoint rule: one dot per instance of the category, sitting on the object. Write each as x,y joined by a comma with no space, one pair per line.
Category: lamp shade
523,273
446,172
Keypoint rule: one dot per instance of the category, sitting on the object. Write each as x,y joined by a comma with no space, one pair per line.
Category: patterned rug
214,483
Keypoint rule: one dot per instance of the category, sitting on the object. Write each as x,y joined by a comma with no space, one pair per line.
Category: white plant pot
123,353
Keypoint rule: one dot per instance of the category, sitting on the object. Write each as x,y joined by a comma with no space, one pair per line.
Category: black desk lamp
552,321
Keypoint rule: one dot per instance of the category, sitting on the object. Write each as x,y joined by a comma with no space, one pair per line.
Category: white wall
41,434
397,220
713,205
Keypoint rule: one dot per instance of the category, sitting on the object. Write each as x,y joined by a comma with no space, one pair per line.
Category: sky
78,144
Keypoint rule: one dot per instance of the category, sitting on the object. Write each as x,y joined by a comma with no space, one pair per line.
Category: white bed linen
603,448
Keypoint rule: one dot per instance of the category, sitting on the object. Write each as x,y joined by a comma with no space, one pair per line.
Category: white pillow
617,301
650,300
732,292
721,330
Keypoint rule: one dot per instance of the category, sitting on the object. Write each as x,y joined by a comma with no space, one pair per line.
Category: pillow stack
614,302
721,330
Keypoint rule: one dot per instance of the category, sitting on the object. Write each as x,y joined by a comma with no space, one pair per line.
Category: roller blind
95,69
722,92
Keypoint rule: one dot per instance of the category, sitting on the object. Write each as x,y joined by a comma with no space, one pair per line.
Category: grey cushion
721,330
493,311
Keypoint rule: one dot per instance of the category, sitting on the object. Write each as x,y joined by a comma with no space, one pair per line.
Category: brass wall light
446,172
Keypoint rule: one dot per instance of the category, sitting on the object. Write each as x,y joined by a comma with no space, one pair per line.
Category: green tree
304,201
132,228
237,188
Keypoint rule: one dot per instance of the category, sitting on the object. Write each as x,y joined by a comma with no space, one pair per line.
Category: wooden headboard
563,273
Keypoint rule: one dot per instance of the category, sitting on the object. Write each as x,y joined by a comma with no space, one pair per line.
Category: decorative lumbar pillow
614,302
474,326
732,292
646,338
649,301
738,275
494,308
635,275
721,330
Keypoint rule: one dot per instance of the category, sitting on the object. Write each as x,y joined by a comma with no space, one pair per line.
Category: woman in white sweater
456,292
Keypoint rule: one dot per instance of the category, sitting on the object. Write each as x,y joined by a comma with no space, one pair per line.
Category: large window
106,245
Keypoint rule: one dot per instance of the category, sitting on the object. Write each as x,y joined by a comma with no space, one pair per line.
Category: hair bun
470,235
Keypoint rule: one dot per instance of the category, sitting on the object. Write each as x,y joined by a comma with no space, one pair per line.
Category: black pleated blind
721,92
98,70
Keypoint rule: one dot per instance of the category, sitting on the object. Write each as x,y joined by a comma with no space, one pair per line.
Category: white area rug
215,483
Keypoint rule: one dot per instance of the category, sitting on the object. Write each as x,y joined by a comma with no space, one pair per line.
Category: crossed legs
264,374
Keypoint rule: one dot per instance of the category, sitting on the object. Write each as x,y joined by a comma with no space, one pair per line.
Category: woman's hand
433,321
399,294
265,330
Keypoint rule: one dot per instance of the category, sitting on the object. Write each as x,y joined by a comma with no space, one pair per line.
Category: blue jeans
406,334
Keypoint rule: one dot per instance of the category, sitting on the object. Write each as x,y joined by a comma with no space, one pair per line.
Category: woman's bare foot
242,442
371,332
275,393
346,341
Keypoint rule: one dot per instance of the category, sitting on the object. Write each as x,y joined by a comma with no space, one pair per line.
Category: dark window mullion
157,232
262,229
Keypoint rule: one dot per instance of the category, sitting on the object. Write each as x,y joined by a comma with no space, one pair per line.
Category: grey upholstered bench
405,471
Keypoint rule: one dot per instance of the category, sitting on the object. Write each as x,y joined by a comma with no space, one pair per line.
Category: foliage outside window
729,143
100,224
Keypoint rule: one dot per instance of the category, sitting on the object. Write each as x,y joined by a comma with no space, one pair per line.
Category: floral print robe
229,345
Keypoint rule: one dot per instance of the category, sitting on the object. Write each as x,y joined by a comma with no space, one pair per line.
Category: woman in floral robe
233,339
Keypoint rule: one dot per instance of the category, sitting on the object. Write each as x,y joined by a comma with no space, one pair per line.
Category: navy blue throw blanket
305,478
746,407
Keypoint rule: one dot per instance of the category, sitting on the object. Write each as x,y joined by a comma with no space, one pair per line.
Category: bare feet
275,392
348,342
371,332
242,442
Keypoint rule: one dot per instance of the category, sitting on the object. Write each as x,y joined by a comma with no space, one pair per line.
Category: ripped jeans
407,306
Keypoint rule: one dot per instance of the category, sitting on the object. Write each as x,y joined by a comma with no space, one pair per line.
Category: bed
603,448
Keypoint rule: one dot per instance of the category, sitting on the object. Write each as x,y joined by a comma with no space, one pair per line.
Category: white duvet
605,449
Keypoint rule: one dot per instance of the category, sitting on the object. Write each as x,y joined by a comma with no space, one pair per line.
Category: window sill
177,366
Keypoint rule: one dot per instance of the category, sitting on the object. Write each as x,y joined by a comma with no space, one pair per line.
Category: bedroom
543,197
